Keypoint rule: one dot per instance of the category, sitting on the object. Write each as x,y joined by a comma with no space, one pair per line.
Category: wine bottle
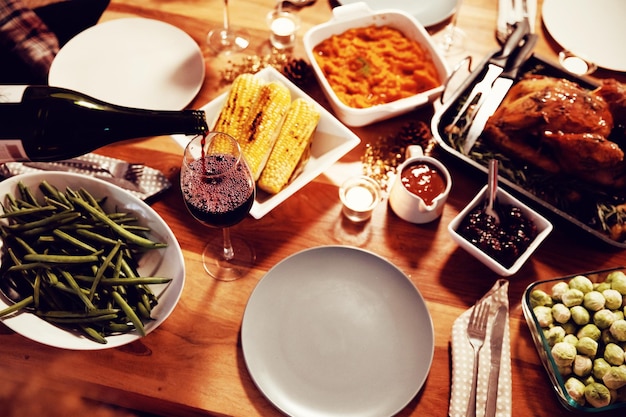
43,123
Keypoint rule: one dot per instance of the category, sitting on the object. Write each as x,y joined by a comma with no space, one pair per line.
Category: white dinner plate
331,140
592,30
337,331
133,62
427,12
167,262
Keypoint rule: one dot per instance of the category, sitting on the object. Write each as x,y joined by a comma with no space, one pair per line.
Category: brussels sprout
564,370
570,327
580,315
554,335
571,339
597,395
615,378
576,389
561,313
559,289
587,346
582,283
614,354
572,297
582,365
544,316
593,300
618,281
613,299
589,330
600,367
540,298
563,353
603,318
618,330
606,337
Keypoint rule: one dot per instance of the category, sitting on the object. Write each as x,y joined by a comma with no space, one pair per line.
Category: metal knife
497,336
495,67
500,87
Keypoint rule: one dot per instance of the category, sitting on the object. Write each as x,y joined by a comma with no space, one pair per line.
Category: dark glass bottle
42,123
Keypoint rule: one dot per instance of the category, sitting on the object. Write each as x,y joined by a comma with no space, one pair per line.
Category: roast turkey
561,127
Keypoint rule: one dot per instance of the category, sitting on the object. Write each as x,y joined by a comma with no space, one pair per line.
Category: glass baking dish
543,346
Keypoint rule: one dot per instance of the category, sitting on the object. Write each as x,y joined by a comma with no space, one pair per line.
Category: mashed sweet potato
375,65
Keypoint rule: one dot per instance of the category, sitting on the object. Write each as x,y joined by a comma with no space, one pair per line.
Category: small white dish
360,15
150,264
132,62
330,142
337,331
544,228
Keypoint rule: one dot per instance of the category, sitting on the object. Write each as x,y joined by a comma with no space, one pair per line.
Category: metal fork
134,172
476,332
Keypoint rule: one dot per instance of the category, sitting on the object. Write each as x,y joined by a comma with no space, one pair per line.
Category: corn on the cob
243,93
263,125
294,138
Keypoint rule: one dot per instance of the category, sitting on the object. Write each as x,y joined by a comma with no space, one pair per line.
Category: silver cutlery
495,67
497,335
476,332
498,91
122,174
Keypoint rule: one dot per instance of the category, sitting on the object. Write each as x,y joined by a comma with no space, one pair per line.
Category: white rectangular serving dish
331,141
361,15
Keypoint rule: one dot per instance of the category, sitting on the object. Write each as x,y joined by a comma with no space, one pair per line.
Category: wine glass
225,39
451,39
218,190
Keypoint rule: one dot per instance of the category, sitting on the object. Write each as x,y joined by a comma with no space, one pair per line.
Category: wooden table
193,364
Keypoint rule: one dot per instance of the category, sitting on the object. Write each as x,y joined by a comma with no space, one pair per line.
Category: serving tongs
495,66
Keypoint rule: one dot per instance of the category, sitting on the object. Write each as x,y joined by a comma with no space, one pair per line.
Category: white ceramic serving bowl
361,15
330,142
544,227
167,262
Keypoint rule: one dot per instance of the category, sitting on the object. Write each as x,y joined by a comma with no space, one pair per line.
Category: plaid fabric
24,34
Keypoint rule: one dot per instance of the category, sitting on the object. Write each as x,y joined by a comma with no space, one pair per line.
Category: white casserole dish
360,15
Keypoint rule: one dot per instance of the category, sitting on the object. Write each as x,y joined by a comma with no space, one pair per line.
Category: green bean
111,282
62,259
123,233
130,314
28,211
56,249
93,334
102,268
96,236
71,239
17,306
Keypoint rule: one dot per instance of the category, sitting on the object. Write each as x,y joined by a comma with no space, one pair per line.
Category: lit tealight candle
283,26
359,197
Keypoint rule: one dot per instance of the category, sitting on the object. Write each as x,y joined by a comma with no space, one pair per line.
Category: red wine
41,123
218,201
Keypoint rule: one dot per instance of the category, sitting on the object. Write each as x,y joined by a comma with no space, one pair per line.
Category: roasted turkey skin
561,127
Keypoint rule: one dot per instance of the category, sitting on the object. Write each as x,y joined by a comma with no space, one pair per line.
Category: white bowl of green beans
83,262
